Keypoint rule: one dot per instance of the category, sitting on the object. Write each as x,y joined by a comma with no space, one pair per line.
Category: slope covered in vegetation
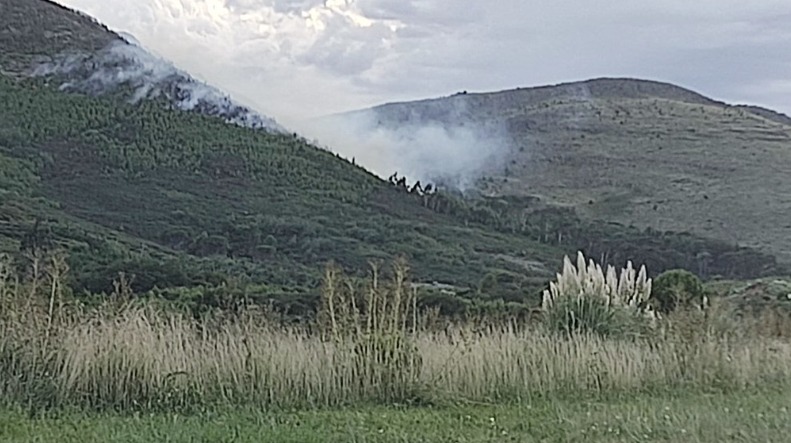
31,30
264,205
182,199
77,54
220,214
632,151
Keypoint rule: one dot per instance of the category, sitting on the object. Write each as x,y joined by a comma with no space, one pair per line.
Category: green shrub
677,288
591,314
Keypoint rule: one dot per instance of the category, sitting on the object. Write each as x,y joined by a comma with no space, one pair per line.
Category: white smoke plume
454,153
128,65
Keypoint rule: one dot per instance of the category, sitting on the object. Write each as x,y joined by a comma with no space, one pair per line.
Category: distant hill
632,151
184,202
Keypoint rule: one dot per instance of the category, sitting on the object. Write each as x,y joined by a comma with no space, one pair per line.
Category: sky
298,59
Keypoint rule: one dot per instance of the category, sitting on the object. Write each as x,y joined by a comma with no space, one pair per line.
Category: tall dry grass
371,345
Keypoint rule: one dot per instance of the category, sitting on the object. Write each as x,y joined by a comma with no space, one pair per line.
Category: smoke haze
421,148
128,65
452,155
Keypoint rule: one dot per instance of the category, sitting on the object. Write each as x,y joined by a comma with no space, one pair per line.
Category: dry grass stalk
147,358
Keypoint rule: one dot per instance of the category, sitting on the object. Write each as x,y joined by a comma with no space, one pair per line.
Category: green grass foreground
753,415
373,367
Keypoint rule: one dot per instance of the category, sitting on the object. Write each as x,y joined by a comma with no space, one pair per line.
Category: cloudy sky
295,59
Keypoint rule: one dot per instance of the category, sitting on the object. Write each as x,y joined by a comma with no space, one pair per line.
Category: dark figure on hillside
402,182
393,178
417,188
429,189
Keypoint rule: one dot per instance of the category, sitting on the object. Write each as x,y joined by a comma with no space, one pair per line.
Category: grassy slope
643,153
680,417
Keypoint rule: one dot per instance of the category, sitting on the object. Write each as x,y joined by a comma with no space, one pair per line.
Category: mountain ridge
598,87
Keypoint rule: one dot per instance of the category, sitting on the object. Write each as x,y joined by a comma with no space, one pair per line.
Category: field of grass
743,416
373,367
369,343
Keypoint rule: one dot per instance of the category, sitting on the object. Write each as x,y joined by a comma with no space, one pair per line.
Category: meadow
749,416
372,366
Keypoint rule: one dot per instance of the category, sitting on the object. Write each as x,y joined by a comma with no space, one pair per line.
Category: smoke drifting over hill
454,155
127,67
416,146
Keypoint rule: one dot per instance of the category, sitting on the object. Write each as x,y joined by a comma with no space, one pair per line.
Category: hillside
635,152
34,31
77,54
182,199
